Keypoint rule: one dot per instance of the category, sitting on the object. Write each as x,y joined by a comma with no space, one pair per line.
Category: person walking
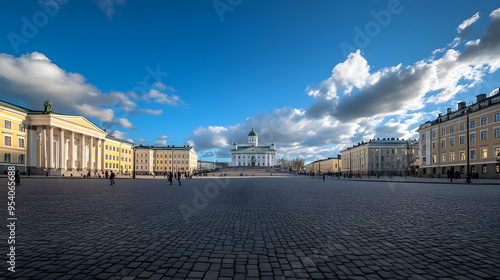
112,178
107,174
179,177
17,178
170,178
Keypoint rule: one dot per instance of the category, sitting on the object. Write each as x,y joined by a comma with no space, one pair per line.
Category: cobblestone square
253,228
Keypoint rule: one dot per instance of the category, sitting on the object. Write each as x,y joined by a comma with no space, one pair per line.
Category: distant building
159,160
206,165
329,165
381,156
443,141
253,154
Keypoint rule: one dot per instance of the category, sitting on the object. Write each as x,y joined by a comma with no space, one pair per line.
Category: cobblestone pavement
253,228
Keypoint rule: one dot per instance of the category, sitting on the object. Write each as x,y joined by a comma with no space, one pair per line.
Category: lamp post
133,172
467,178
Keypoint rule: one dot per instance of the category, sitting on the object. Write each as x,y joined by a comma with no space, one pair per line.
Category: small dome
252,133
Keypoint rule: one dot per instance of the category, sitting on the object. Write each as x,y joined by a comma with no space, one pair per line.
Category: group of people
178,176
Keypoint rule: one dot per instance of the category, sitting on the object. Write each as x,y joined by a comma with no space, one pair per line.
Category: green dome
252,133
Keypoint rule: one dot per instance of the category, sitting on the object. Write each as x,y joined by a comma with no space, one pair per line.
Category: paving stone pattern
254,228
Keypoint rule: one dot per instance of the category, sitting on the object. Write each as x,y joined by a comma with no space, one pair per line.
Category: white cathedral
253,154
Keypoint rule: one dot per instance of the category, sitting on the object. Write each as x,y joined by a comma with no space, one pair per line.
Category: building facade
329,165
161,160
390,156
118,155
206,165
253,154
443,141
46,142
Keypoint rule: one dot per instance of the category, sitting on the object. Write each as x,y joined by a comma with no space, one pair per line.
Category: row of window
7,141
451,129
161,168
115,166
116,149
461,155
8,125
7,158
161,156
387,158
484,169
113,157
483,137
387,166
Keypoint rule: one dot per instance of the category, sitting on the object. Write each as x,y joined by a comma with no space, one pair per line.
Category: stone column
83,162
71,151
51,148
33,146
98,155
103,155
62,148
43,155
91,153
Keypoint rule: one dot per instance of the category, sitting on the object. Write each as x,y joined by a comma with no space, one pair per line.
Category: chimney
481,97
461,105
448,110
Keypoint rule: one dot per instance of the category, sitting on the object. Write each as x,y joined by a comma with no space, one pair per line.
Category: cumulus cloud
356,104
32,78
163,98
161,141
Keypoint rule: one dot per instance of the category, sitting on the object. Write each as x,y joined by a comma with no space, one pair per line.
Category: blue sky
202,72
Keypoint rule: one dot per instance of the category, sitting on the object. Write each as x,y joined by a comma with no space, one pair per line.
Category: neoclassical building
253,154
41,142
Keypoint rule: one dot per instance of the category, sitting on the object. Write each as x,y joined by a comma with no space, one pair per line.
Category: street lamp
133,172
467,179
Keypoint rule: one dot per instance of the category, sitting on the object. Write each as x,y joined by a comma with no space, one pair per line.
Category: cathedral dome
252,133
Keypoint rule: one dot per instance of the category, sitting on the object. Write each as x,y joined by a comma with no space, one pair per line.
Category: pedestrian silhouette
17,178
112,178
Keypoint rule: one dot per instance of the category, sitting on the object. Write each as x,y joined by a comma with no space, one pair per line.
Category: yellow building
46,142
159,160
13,143
443,141
118,155
329,165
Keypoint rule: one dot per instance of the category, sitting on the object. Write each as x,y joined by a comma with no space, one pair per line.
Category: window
462,155
22,128
424,160
424,147
433,158
484,152
8,124
452,141
473,124
443,157
484,135
7,140
434,145
20,159
473,137
497,152
461,139
497,117
452,129
443,143
21,142
443,132
434,134
484,120
423,136
106,165
462,126
7,157
485,169
472,154
497,132
452,156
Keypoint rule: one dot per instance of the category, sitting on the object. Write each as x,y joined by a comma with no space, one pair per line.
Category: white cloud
468,22
384,103
32,78
162,86
163,98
